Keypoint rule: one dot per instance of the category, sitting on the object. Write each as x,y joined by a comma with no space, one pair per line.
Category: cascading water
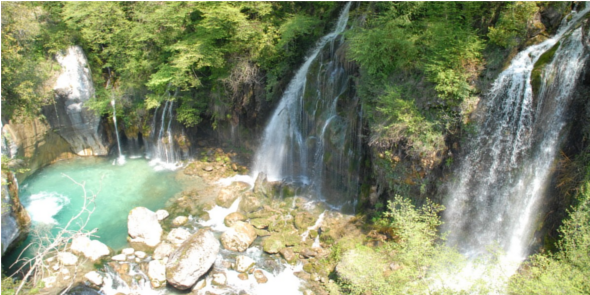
494,202
121,158
163,154
313,130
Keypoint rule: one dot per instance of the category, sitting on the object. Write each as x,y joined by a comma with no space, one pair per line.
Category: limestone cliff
69,116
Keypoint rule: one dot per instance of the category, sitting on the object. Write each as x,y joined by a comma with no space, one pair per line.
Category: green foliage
515,17
403,121
566,271
24,67
404,265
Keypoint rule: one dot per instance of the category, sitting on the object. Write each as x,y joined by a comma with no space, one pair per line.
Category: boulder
140,254
157,273
94,277
143,227
192,259
238,237
67,258
163,250
289,255
250,204
273,244
226,197
180,221
120,257
177,236
303,220
231,218
244,263
91,249
219,279
128,251
260,277
162,214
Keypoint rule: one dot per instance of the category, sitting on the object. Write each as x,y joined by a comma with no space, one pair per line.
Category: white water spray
121,158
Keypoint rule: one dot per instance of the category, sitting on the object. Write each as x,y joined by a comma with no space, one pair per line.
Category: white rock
128,251
200,285
140,254
131,257
163,250
143,227
192,259
94,277
219,279
180,221
91,249
55,267
120,257
157,273
244,263
65,271
178,235
162,214
67,258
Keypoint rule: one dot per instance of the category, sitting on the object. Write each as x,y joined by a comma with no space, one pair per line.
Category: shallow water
51,198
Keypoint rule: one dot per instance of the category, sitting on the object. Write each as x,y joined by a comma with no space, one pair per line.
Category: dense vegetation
141,53
420,74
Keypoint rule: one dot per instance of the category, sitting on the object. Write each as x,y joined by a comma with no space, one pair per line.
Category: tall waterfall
315,114
494,202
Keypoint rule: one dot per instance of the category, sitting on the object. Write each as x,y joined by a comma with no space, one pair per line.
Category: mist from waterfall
493,206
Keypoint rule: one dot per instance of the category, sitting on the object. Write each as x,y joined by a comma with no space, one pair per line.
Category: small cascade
163,153
121,158
313,129
494,203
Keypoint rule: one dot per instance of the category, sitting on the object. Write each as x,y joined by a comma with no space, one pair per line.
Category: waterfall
163,154
495,200
121,158
308,119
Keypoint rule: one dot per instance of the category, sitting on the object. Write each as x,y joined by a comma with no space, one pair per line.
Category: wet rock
307,253
303,220
177,236
180,221
200,285
262,233
162,214
243,276
244,263
67,258
163,250
272,244
157,273
192,259
260,277
261,223
238,237
250,204
208,168
219,279
226,197
289,255
94,277
231,218
261,187
81,289
91,249
143,227
15,219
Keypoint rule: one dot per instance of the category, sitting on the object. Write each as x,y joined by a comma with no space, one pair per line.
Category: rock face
192,259
157,273
93,250
143,227
78,125
238,237
15,219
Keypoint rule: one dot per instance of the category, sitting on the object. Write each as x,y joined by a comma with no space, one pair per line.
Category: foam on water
217,216
44,206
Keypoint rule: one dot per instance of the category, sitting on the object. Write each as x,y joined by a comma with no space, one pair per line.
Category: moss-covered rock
273,244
